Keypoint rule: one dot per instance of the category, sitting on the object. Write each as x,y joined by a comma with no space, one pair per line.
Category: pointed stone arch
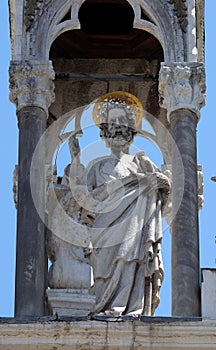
162,25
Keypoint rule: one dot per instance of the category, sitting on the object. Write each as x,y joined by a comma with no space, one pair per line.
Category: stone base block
162,334
209,293
70,302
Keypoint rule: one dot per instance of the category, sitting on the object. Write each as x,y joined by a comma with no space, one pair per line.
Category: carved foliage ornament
180,7
32,6
31,84
182,86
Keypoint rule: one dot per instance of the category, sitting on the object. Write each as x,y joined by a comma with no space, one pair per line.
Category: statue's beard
121,137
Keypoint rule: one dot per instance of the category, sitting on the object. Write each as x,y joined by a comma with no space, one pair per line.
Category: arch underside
136,44
161,23
89,63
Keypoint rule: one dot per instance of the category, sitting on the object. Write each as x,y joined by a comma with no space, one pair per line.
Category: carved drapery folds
31,84
180,8
182,86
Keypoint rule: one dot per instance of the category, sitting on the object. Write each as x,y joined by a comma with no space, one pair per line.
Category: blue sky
8,158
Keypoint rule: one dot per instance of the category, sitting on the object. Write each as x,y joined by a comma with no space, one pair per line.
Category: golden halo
115,99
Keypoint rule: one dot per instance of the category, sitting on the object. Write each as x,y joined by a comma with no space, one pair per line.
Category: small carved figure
69,269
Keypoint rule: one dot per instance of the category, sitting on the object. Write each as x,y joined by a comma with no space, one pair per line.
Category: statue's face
118,132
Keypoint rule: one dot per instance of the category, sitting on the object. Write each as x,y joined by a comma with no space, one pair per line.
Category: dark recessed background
106,32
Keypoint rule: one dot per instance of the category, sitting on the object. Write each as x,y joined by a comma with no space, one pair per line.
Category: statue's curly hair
121,99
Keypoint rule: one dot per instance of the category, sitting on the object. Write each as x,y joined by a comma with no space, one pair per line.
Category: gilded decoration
117,99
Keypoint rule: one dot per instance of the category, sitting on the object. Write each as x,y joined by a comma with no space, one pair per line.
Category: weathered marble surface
71,302
208,295
160,334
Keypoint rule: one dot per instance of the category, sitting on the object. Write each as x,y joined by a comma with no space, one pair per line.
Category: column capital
182,86
31,84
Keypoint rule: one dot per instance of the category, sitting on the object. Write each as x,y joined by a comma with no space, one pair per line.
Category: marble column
182,93
31,89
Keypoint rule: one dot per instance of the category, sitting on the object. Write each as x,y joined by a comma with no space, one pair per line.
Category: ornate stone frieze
182,86
180,8
200,29
31,84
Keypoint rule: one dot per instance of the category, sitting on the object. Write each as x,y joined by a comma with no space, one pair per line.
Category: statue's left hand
88,217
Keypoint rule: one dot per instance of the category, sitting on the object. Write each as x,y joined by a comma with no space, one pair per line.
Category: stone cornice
31,84
109,335
182,86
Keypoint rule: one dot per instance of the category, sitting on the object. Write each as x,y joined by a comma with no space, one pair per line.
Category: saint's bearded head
118,114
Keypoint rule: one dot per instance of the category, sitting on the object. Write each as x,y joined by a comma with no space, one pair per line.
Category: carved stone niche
96,218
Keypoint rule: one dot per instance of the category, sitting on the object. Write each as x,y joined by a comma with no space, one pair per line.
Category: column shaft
185,241
31,261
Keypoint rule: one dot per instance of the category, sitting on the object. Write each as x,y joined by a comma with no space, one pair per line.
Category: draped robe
126,234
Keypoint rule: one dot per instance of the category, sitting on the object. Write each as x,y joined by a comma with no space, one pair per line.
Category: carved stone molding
200,29
180,8
182,86
31,84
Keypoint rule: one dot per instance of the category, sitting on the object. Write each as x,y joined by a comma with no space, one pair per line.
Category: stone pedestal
208,295
70,302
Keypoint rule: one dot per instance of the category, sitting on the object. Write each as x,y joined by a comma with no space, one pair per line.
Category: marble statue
119,200
126,237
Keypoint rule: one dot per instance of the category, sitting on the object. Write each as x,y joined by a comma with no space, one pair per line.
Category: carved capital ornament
182,86
31,84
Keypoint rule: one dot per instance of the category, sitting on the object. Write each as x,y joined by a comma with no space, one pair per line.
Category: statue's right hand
162,181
